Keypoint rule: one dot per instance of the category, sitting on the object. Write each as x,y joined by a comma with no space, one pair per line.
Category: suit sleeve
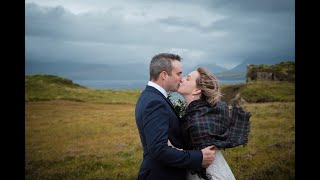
156,127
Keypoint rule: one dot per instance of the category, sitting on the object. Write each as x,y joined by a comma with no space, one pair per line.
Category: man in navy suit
158,122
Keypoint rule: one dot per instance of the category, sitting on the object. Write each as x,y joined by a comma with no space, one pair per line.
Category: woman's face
188,83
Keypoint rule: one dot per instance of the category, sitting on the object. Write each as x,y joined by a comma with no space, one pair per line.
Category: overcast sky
225,32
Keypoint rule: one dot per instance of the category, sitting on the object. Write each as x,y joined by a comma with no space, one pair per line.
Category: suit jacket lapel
158,92
168,100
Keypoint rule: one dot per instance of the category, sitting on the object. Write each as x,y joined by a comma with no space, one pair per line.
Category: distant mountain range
87,71
268,61
239,71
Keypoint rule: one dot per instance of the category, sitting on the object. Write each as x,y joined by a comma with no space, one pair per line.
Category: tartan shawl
204,125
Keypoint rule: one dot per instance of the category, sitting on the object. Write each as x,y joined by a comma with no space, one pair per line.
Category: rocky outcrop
284,71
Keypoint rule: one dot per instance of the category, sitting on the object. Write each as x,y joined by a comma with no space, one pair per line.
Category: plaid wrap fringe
239,126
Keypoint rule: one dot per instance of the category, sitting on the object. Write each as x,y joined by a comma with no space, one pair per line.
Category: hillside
259,91
49,87
265,83
137,71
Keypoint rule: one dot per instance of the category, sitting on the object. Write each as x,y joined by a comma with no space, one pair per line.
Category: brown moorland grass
74,140
91,140
270,153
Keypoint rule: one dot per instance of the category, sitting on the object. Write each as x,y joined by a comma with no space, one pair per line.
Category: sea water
129,84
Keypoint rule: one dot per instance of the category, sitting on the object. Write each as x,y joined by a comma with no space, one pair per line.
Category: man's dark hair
162,62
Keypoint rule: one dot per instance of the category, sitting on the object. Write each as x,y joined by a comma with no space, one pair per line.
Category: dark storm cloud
225,32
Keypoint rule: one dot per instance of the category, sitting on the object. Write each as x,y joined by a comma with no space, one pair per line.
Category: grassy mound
261,91
48,87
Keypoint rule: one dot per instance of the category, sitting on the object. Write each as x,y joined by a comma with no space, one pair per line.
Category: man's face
174,80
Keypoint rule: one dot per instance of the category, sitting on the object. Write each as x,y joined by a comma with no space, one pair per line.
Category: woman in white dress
207,122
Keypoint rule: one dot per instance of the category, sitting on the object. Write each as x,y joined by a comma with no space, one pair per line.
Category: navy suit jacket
157,121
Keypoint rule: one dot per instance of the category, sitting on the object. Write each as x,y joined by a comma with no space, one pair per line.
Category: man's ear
163,75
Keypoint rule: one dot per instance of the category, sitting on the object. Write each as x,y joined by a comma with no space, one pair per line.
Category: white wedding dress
219,169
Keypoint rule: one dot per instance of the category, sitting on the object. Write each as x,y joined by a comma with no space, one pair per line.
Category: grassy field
94,136
75,140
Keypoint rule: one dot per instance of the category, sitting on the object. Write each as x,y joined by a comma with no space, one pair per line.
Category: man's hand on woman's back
208,154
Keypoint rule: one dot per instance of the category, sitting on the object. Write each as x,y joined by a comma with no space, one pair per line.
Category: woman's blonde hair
209,86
